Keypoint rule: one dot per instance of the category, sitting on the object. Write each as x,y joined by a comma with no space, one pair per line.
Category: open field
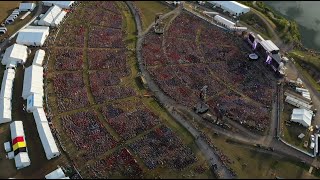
7,7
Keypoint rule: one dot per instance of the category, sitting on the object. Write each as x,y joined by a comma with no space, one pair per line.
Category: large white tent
297,102
5,110
16,52
58,19
302,116
232,7
229,24
269,46
22,158
56,174
49,145
39,57
33,81
7,84
62,4
52,17
33,35
26,7
34,101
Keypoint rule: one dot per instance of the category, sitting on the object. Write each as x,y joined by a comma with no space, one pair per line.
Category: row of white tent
53,17
229,24
33,93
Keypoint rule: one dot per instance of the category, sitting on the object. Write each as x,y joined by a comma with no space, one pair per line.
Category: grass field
6,7
149,9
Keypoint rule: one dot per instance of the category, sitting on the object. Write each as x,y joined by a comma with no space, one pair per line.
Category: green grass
6,8
255,21
149,9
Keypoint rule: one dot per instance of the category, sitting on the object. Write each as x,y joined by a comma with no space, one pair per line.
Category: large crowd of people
107,59
161,147
68,59
119,164
130,124
193,54
88,134
70,91
102,37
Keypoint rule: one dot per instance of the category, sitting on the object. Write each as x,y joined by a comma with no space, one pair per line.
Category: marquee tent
302,116
33,81
15,52
39,57
232,7
33,36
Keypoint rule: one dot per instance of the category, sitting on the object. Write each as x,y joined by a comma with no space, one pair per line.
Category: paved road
168,103
7,41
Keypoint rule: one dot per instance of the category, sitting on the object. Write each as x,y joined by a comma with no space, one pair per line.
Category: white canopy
49,145
232,7
7,146
62,4
56,174
5,110
298,103
7,84
34,101
33,35
302,116
39,57
26,6
22,160
229,24
269,46
33,81
49,17
16,129
16,52
57,20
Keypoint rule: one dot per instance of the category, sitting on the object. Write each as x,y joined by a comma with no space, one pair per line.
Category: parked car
312,145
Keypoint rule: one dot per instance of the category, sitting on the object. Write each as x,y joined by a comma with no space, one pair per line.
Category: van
312,145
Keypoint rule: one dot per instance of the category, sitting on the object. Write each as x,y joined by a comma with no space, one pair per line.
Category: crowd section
68,59
101,37
110,93
106,19
114,59
119,164
193,54
161,147
87,134
130,124
71,36
70,91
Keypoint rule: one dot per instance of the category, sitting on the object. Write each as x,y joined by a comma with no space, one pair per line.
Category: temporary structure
229,24
7,84
56,174
5,110
269,46
21,156
34,101
33,35
62,4
302,116
7,146
26,6
33,81
298,103
38,57
16,52
49,145
232,7
52,17
57,20
46,137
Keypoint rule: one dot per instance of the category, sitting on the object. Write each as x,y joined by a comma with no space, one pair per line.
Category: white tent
57,20
7,84
22,160
229,24
298,103
33,81
5,110
34,101
232,7
39,116
26,6
38,57
49,145
16,52
11,65
56,174
7,146
269,46
62,4
49,17
16,129
302,116
33,35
